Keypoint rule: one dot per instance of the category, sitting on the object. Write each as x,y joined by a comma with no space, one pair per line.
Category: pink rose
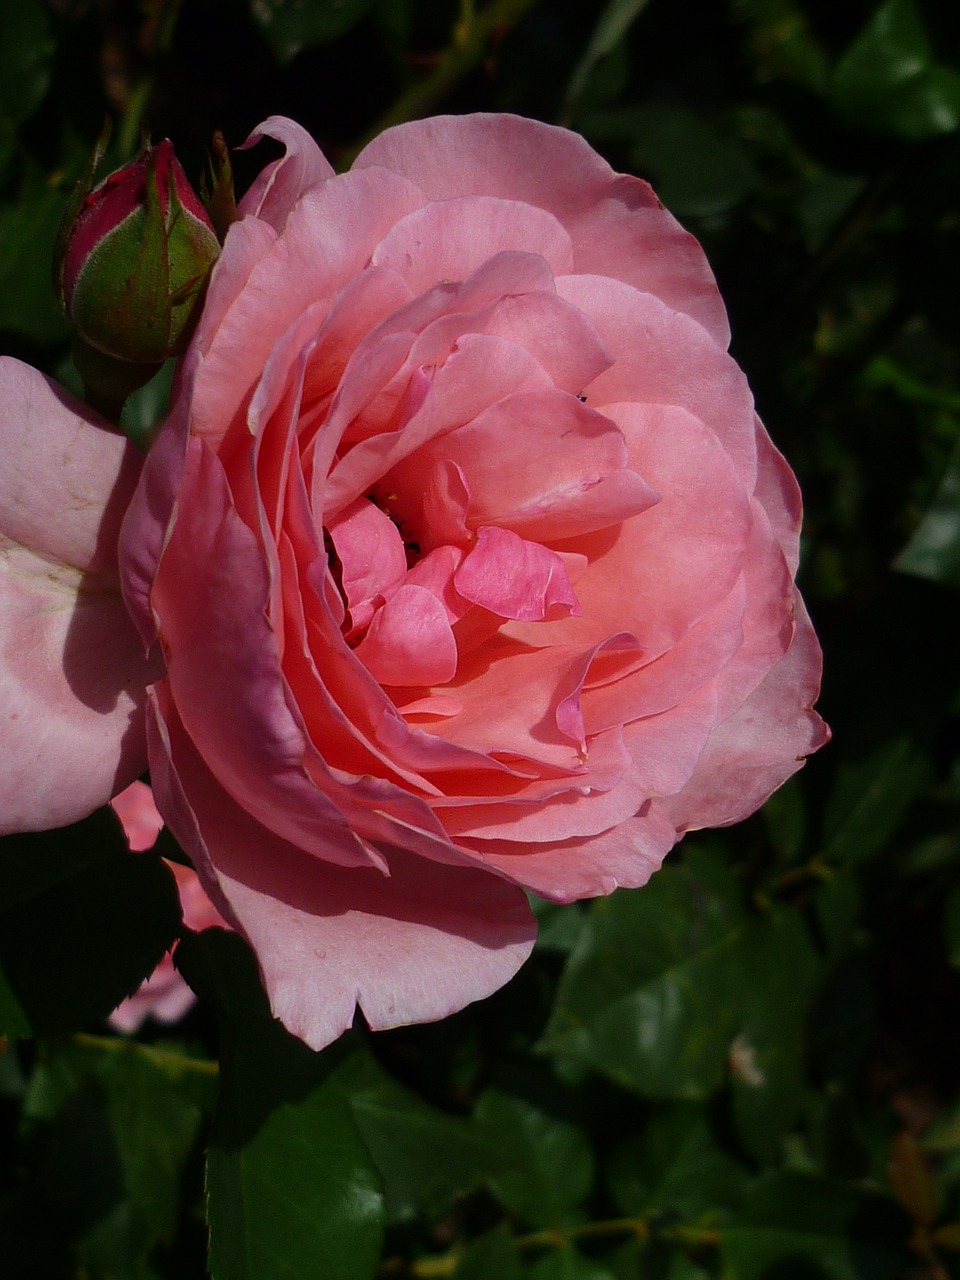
471,566
163,995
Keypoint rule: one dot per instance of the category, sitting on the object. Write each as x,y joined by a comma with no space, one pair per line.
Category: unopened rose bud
133,261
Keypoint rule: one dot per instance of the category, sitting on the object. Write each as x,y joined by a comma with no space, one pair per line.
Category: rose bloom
462,564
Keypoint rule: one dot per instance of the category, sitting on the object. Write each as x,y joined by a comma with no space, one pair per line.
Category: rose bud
132,265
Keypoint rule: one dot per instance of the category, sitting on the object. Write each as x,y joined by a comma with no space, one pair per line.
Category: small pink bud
135,259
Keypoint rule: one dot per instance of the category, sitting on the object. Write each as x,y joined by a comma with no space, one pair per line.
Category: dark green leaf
612,25
677,1166
934,550
779,968
82,923
650,995
888,81
26,59
552,1161
951,926
290,26
795,1225
292,1193
870,798
567,1264
697,169
113,1133
490,1257
28,231
399,1129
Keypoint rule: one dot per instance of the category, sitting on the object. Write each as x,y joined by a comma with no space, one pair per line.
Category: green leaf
870,798
292,1193
82,923
800,1225
290,26
612,26
114,1132
490,1257
567,1264
154,1126
934,550
28,232
551,1157
778,978
26,59
888,81
398,1128
676,1166
697,170
650,996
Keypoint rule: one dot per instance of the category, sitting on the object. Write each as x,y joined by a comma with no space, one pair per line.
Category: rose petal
281,183
410,641
515,578
408,947
72,671
616,224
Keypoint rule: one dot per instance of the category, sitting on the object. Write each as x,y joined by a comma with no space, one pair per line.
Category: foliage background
750,1069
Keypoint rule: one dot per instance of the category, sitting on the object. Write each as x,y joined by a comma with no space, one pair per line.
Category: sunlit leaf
399,1128
651,995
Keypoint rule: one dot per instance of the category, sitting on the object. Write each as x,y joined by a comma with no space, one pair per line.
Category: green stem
166,1059
552,1238
468,45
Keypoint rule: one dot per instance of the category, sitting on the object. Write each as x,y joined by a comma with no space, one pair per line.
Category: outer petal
72,672
617,225
282,183
757,749
407,947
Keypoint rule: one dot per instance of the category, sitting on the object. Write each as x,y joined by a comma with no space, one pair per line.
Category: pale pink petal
404,947
565,472
72,672
410,641
515,578
616,224
372,557
754,751
211,594
282,182
451,238
663,357
137,811
481,369
163,995
326,241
